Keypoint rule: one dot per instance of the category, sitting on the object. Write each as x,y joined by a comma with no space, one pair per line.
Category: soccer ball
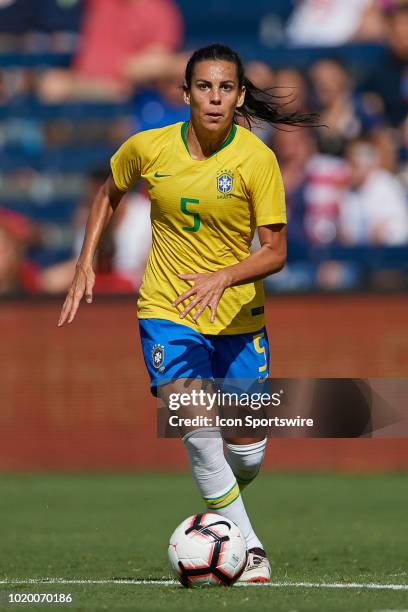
207,550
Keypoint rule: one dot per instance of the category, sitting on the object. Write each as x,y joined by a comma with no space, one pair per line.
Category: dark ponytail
260,104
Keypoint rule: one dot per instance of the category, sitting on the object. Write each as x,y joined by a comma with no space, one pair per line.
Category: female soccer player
201,305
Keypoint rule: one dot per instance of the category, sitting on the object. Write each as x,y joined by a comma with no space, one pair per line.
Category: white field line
162,582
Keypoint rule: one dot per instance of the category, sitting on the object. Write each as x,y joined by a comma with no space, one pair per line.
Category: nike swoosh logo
158,175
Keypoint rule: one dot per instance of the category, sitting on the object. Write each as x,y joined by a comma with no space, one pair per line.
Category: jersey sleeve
266,189
127,163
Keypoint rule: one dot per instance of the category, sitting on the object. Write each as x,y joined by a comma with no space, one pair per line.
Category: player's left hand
207,289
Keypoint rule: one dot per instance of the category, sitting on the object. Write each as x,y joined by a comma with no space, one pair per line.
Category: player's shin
216,481
245,461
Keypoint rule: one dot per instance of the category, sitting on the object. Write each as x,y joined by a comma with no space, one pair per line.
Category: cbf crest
158,356
225,183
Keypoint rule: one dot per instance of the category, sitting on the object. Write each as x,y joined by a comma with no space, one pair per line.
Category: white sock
245,460
216,481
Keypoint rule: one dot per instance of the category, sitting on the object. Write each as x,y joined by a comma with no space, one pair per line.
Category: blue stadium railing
369,257
31,108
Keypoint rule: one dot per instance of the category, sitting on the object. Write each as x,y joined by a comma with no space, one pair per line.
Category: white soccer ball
207,550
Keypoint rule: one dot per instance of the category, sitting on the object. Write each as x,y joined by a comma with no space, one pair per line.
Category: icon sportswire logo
159,175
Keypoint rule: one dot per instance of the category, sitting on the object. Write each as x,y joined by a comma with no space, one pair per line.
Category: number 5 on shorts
261,350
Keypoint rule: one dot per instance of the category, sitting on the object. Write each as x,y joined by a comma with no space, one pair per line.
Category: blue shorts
172,351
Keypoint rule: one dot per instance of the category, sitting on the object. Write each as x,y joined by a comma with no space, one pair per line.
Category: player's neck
202,143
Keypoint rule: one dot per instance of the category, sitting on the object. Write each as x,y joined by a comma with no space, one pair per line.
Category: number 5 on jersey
196,224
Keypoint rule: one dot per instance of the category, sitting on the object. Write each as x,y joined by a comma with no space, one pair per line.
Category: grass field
318,529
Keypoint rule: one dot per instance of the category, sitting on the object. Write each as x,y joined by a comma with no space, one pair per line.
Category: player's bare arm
102,208
208,288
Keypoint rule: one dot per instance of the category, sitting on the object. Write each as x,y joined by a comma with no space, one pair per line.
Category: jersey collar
228,141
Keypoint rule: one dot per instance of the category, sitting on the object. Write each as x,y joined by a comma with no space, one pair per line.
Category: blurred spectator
122,44
320,23
58,278
123,252
293,150
262,76
344,114
374,210
162,104
18,276
291,85
403,173
386,142
314,185
326,181
132,236
287,84
391,80
16,83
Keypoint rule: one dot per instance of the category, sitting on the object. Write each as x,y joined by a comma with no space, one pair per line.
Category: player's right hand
82,284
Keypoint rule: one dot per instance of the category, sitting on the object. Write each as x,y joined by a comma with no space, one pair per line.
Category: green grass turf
316,528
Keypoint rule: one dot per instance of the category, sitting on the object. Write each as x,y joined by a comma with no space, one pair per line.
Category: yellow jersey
203,215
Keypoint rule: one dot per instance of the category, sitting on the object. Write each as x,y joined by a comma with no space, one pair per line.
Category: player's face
214,94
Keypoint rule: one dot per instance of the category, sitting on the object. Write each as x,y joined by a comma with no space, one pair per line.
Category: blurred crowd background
77,77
